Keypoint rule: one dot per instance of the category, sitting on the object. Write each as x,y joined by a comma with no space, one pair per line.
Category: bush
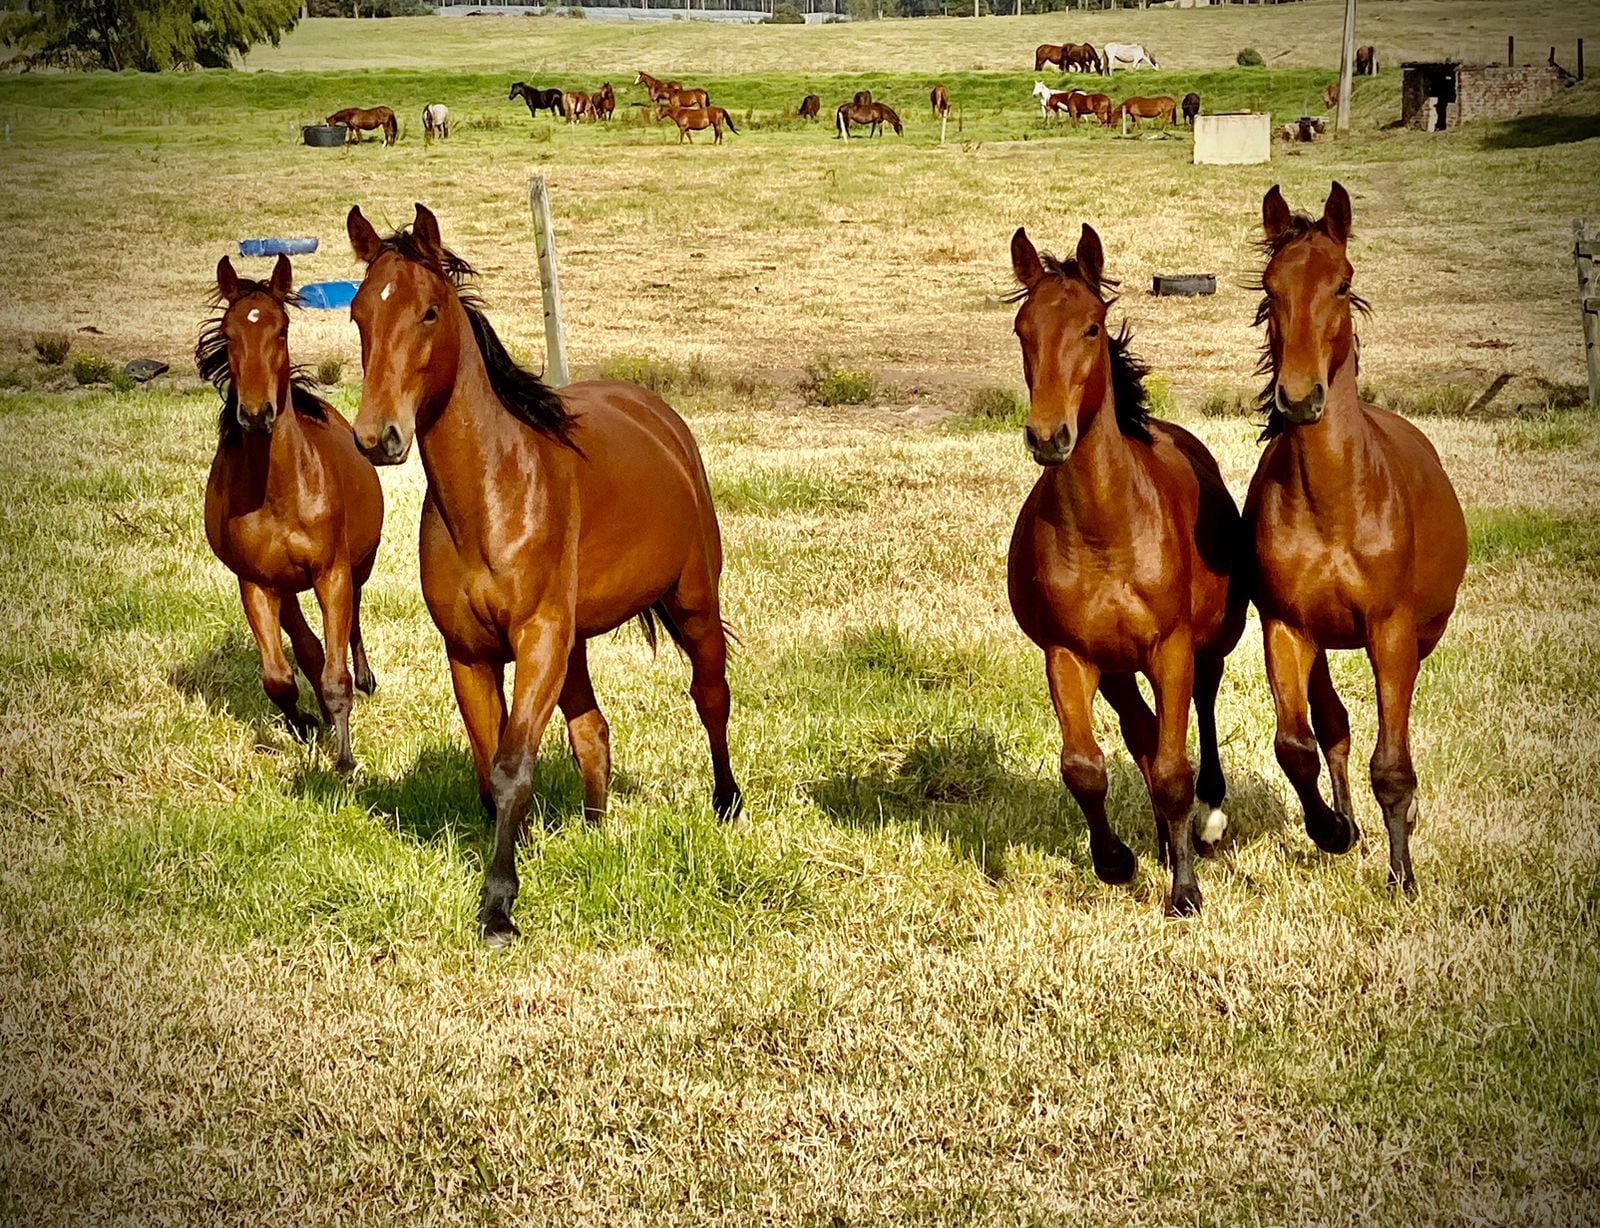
52,348
93,369
1227,403
995,407
660,375
121,381
330,371
1249,58
785,15
827,384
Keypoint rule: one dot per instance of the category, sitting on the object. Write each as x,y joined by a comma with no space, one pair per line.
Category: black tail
729,120
657,614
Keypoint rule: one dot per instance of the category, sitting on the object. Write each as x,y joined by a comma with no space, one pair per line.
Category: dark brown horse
658,91
1366,61
1049,53
810,107
698,119
1191,108
939,97
367,119
863,98
1163,108
550,518
1124,561
537,99
1359,539
291,504
1080,56
605,102
869,115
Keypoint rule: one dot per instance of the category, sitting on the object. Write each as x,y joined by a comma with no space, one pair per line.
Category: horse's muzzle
1051,450
388,449
1305,411
259,419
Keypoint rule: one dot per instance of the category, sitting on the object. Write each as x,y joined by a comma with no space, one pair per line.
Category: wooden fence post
555,333
1584,243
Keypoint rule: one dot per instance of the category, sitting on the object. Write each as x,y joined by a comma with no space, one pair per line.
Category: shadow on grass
227,676
962,790
1536,131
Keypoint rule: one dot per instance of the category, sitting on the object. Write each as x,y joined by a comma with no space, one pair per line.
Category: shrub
660,375
330,371
121,381
11,378
785,15
1249,58
1227,403
827,384
93,369
1158,396
995,407
52,348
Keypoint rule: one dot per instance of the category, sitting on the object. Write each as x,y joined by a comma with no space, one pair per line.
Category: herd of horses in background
568,512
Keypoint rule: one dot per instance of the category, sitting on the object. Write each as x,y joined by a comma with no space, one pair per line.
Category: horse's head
1041,90
412,326
894,121
1061,326
255,322
1307,304
516,88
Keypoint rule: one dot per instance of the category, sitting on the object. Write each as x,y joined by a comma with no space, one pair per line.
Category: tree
150,35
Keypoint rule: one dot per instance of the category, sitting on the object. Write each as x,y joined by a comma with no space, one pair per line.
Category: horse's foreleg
335,594
1210,786
308,653
542,647
1332,725
1171,777
262,608
1290,655
587,732
481,699
1083,766
1392,649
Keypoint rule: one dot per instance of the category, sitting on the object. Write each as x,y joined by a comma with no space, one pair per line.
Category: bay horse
1359,541
435,122
1366,61
605,102
691,97
939,97
1049,53
550,517
1125,560
1190,108
1080,56
578,106
290,503
1098,105
657,91
870,115
367,119
810,107
698,119
1162,108
537,99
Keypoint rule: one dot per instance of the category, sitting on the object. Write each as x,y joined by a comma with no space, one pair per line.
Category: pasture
235,988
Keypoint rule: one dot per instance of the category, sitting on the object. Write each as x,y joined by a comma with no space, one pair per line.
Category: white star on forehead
387,291
255,314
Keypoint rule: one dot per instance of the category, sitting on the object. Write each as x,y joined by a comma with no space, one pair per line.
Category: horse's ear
363,238
425,229
282,278
1091,257
1276,216
227,280
1336,214
1025,261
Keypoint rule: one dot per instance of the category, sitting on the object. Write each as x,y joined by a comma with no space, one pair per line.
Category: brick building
1435,96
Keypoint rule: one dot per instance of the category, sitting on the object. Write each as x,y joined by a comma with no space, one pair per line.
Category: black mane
1129,397
1299,226
211,358
525,396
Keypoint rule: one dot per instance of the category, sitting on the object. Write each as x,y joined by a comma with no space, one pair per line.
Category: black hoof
303,727
366,683
1115,863
1185,901
497,928
1335,833
1406,884
728,806
345,767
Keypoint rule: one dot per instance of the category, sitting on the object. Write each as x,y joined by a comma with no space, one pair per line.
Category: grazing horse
550,517
658,91
537,99
1366,61
1162,108
1080,56
1051,102
1330,96
1191,108
810,107
1127,55
291,504
698,119
939,97
1124,561
435,122
1049,53
605,102
869,115
366,119
578,106
1359,540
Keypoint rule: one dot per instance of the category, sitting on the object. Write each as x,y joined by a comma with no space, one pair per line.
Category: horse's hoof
1185,901
1209,831
498,930
303,728
366,683
345,767
1405,884
1335,833
728,807
1115,863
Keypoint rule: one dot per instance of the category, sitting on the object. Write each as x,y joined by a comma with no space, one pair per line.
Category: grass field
234,989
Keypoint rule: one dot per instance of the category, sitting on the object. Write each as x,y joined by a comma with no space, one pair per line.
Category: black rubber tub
324,136
1184,283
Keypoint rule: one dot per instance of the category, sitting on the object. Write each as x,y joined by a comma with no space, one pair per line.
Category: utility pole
1346,73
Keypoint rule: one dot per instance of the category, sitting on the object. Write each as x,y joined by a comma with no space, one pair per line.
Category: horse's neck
271,467
1331,453
1097,477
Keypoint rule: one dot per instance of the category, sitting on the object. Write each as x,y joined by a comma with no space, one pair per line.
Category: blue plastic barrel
277,247
328,294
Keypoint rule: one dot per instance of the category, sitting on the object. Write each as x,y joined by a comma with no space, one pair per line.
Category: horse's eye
430,315
1344,287
1094,331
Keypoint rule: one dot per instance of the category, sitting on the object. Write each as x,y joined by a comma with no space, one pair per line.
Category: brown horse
1123,562
1366,61
604,103
550,518
291,504
578,106
939,97
1330,96
1049,53
695,97
366,119
1359,539
1077,104
1162,108
658,91
869,115
1080,56
698,119
1190,108
810,107
863,98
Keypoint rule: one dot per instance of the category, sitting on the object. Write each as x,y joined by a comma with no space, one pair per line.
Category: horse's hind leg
1210,786
695,623
587,732
1332,725
262,609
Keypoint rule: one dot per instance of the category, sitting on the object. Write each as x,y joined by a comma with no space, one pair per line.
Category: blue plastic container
277,247
328,294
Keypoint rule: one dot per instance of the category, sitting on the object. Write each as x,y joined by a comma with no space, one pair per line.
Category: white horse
1042,92
1127,55
435,121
